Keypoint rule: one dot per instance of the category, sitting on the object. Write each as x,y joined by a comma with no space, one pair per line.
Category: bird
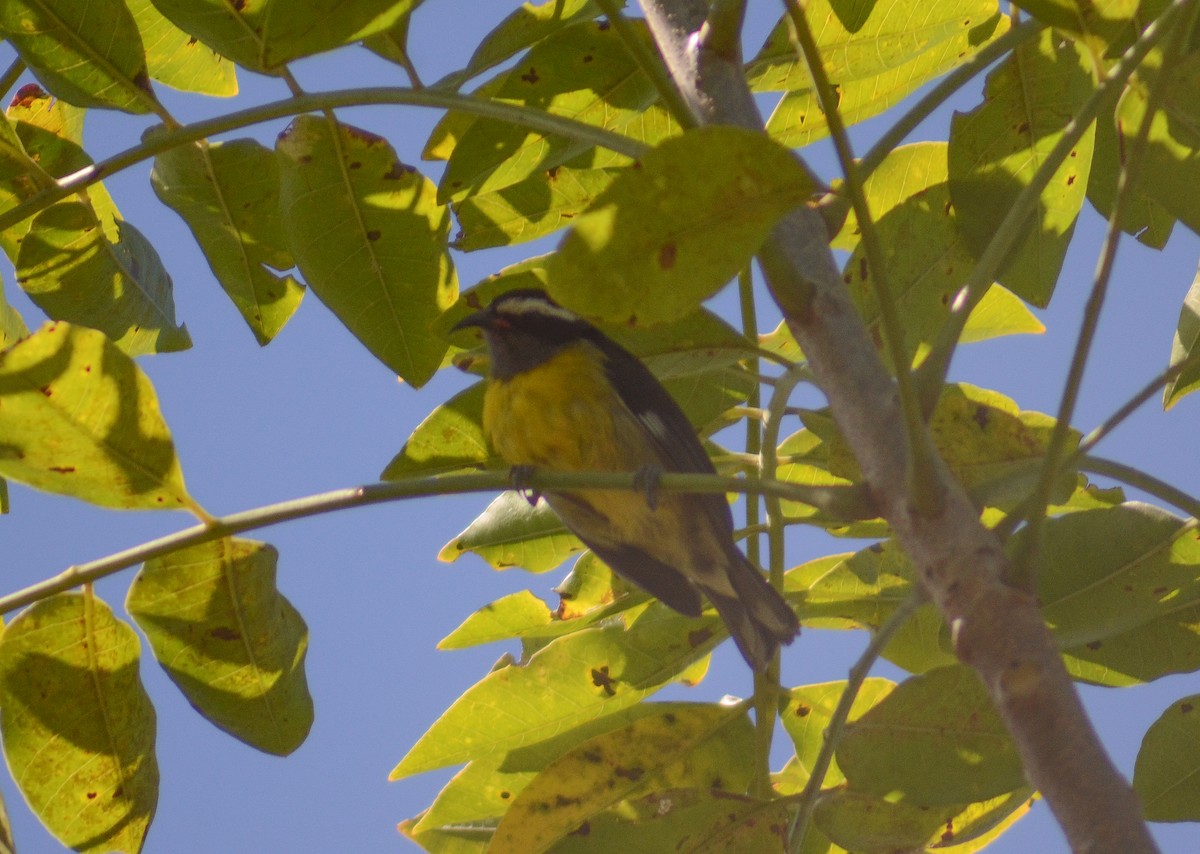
563,396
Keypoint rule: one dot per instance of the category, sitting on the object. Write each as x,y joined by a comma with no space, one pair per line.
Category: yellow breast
558,415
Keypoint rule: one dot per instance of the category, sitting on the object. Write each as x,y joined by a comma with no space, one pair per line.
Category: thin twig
841,713
826,498
158,143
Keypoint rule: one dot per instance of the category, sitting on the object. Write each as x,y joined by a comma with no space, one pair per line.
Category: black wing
655,410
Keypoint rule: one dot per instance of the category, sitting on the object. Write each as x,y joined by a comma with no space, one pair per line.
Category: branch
831,499
159,142
996,629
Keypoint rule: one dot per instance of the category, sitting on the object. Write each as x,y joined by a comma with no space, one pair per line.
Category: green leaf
1106,27
705,747
78,728
926,261
865,41
7,846
867,824
1029,101
1168,763
806,713
527,26
510,533
935,740
877,66
1121,589
486,787
1184,346
228,194
993,447
178,60
263,35
514,615
49,145
74,272
539,205
583,71
999,313
229,639
693,820
460,839
590,593
449,439
12,326
572,680
658,241
862,590
1143,216
87,53
369,238
78,417
1171,164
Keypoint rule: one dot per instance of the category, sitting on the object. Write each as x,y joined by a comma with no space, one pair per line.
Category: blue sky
314,411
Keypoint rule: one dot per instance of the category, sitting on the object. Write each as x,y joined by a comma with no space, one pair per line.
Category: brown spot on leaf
398,171
1070,180
667,254
530,76
1094,645
601,679
63,469
373,235
803,710
504,796
982,417
224,633
27,94
1185,707
633,774
365,136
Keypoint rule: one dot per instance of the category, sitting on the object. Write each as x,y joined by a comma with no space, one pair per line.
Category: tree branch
837,501
996,629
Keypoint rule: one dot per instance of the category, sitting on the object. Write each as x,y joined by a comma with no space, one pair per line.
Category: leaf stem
1144,481
841,714
158,143
11,75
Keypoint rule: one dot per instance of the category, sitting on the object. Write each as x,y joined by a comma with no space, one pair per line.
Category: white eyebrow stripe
530,305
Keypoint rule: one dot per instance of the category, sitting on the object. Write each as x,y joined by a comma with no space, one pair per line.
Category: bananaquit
564,397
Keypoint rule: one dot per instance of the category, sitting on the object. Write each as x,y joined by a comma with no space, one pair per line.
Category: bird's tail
757,616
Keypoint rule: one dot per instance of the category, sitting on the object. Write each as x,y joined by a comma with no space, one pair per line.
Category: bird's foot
519,477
